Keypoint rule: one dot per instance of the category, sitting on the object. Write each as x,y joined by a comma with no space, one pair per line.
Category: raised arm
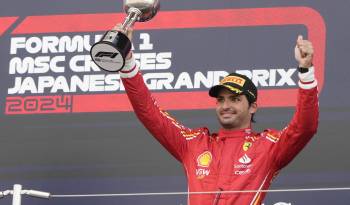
170,133
304,123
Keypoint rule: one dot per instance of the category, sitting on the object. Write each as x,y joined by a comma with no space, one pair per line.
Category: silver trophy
110,52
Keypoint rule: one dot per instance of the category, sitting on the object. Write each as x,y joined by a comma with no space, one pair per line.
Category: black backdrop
110,152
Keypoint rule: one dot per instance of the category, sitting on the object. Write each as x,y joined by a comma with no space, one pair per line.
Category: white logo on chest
245,159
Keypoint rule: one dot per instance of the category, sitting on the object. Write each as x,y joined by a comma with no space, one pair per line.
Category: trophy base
109,54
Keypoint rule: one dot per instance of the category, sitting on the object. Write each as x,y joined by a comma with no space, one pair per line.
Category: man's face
233,111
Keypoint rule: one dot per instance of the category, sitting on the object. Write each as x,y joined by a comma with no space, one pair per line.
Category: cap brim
214,91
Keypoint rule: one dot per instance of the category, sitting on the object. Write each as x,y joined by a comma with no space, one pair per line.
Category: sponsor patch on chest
203,162
243,166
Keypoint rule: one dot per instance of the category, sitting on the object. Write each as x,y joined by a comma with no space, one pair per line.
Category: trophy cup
110,52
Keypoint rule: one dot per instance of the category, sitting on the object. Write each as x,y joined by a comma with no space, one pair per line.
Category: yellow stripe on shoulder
189,134
272,136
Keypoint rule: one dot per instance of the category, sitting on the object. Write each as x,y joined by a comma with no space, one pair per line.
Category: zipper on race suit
217,197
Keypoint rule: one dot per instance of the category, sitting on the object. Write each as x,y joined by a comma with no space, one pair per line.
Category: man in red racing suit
232,159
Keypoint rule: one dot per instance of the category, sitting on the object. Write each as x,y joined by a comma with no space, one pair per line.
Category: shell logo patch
204,159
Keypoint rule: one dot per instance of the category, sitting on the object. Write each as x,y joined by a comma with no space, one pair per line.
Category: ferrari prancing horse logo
246,145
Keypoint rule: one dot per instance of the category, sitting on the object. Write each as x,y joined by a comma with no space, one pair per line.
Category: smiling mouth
227,114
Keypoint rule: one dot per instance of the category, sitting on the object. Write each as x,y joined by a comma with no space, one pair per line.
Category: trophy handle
111,51
133,16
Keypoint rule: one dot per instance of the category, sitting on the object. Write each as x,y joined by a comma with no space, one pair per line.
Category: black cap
236,83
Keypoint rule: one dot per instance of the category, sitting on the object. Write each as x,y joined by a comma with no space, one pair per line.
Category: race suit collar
234,133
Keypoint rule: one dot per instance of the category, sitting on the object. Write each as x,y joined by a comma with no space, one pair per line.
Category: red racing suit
227,160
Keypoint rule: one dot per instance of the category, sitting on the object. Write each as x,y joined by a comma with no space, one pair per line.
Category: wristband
303,70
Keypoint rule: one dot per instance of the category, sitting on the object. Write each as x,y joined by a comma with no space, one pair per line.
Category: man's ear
253,108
